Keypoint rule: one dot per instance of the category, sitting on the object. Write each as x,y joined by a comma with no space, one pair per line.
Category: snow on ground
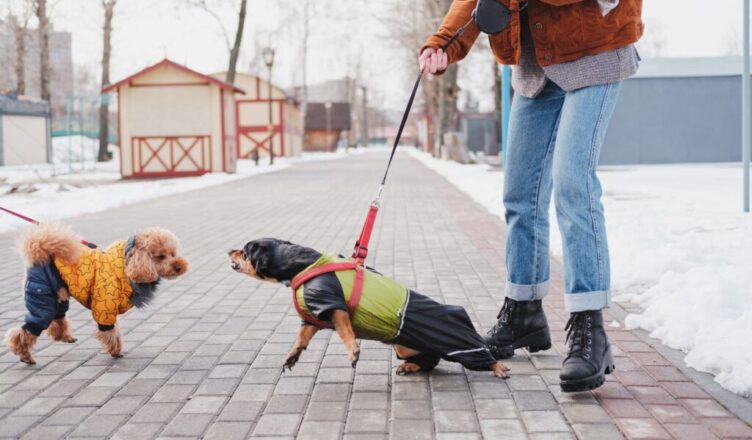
66,189
680,249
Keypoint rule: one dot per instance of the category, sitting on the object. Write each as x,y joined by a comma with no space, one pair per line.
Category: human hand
433,61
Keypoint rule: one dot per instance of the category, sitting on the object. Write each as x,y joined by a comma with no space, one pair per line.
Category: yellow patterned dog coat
97,280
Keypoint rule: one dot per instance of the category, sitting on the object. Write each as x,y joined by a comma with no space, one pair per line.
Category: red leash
31,220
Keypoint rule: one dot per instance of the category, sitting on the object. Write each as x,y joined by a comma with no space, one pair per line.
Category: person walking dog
569,58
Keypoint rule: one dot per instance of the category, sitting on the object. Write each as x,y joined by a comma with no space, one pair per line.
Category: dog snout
177,268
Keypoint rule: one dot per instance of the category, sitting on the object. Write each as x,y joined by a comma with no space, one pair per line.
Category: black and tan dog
421,330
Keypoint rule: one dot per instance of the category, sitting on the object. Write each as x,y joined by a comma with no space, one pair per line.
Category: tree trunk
104,111
44,49
19,34
235,51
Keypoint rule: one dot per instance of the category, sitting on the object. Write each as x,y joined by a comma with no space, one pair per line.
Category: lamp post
328,105
268,54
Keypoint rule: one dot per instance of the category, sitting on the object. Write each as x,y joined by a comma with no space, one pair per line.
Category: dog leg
305,335
59,330
112,341
499,370
404,353
21,342
341,321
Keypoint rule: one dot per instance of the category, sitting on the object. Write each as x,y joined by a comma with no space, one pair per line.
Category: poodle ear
140,267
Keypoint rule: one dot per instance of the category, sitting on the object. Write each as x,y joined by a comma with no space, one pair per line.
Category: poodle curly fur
38,245
154,256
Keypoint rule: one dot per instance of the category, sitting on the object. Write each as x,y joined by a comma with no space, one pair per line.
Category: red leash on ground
31,220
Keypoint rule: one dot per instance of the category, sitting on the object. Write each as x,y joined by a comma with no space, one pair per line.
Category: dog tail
41,243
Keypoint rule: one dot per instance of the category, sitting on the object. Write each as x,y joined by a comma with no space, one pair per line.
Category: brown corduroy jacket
563,30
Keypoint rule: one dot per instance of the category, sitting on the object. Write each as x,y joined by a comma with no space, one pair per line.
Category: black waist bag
493,17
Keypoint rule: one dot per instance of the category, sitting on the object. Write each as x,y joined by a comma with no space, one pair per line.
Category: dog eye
161,257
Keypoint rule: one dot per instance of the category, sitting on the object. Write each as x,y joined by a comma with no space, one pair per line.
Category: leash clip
377,201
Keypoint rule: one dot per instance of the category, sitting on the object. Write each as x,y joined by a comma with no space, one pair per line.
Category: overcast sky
147,30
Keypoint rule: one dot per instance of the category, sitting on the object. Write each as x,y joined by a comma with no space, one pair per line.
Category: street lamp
268,54
328,105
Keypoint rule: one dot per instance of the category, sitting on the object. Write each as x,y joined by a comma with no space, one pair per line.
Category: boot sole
592,382
534,342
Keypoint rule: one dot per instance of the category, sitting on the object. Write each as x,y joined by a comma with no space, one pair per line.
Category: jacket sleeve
460,12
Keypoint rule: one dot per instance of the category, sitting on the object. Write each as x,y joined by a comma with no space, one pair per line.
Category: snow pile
680,248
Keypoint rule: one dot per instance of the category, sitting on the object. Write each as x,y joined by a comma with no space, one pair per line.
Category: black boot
521,324
589,358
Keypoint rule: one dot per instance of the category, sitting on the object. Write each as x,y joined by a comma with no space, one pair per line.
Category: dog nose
177,268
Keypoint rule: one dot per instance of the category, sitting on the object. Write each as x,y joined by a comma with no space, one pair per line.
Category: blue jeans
554,144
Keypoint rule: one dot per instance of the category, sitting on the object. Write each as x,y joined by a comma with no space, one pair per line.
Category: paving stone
98,426
228,430
366,421
583,413
137,431
503,428
44,432
184,425
456,421
122,405
319,430
173,393
326,411
286,404
452,400
544,421
241,411
643,429
277,424
203,405
534,400
597,431
156,412
412,429
70,416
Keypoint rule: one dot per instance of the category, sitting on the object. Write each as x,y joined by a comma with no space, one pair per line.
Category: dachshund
108,282
420,330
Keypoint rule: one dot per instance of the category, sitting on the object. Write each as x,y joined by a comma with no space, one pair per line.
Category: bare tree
44,48
104,112
409,26
19,25
234,49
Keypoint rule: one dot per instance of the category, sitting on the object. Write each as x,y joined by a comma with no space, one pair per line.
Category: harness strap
361,245
355,294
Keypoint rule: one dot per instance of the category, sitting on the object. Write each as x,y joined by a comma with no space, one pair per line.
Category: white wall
24,139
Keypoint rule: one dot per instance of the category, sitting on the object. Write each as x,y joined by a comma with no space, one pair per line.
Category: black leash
446,45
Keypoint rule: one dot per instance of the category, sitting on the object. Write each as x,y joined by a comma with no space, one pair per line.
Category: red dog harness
359,256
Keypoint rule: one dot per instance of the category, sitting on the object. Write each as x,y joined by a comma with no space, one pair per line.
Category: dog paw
407,368
500,370
28,360
354,357
69,340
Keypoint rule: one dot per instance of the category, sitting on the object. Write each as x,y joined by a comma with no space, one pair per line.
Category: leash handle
88,244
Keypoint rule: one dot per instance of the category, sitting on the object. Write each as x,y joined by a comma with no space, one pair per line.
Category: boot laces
505,314
580,335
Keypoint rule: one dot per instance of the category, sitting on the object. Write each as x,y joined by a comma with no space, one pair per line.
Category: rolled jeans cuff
580,302
526,292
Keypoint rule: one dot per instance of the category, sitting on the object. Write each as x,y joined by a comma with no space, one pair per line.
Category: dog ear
258,254
141,267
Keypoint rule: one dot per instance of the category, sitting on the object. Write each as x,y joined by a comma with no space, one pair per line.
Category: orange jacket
97,280
563,30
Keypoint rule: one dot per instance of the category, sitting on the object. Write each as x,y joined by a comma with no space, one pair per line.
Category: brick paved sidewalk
205,359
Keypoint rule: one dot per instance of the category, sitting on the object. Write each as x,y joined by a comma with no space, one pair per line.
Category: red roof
170,63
